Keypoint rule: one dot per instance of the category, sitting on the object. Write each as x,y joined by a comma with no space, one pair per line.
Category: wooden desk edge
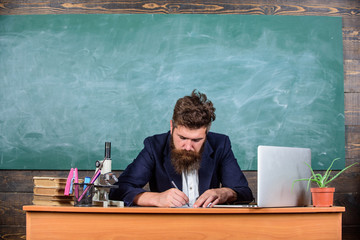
143,210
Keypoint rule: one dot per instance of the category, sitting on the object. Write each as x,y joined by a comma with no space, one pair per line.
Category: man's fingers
207,199
177,197
211,204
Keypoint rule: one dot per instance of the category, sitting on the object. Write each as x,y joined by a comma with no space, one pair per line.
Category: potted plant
322,196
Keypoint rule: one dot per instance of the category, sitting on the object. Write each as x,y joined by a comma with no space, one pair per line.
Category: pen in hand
173,183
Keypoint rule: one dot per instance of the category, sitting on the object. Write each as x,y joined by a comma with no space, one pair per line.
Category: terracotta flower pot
322,197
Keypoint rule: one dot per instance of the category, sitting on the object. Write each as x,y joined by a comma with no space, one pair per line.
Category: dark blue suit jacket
153,165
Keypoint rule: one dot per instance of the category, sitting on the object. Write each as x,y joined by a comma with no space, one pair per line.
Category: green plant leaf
312,172
322,180
328,171
340,173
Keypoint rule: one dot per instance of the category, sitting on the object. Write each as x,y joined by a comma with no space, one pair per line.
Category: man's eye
196,140
183,138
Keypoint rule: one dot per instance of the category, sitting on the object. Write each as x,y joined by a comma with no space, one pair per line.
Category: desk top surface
155,210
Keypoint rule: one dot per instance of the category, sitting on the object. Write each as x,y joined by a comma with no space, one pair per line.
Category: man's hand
170,198
215,196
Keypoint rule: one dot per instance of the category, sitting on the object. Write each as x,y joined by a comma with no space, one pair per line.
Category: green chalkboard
69,83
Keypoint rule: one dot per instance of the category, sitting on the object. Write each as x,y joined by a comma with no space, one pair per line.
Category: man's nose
188,145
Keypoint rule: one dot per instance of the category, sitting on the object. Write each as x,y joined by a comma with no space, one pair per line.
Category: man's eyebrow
193,139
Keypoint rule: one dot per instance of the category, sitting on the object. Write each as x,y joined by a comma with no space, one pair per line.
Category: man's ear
171,126
208,128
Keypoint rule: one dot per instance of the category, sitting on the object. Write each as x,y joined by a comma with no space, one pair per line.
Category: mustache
185,155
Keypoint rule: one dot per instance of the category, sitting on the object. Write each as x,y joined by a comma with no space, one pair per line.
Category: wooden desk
43,222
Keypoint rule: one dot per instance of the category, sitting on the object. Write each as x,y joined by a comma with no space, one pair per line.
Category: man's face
186,148
188,139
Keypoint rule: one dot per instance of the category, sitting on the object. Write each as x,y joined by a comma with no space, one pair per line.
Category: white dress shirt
190,185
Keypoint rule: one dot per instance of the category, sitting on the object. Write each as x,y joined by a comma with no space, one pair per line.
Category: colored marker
68,182
97,174
76,180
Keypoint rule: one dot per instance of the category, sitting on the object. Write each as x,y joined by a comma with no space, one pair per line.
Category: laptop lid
278,167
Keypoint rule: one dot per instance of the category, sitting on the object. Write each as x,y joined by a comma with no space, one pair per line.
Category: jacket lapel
173,176
206,169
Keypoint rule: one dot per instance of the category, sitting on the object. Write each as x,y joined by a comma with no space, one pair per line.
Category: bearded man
187,166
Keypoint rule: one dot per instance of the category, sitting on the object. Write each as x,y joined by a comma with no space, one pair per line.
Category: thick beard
185,161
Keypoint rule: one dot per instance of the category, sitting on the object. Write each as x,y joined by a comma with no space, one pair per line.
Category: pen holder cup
83,194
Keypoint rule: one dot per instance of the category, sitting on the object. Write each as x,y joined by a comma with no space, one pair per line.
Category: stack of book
49,191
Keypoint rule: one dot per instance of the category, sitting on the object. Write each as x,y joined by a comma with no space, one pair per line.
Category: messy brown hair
194,111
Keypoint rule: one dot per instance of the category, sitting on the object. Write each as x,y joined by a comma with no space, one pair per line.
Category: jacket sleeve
134,177
232,176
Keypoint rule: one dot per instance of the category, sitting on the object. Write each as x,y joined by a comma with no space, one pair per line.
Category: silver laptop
278,167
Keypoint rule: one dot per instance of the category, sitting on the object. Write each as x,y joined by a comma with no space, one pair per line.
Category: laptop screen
278,167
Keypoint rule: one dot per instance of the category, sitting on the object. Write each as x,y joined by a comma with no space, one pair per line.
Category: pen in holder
83,194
